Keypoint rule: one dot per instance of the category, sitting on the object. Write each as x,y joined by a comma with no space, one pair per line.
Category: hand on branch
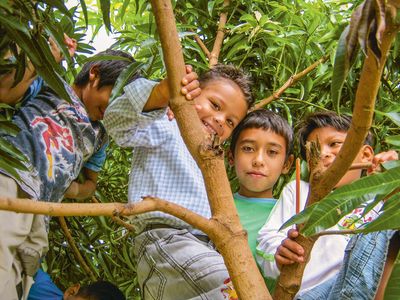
289,251
381,158
57,53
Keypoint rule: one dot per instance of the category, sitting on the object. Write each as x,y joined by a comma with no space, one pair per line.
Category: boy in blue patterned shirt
174,260
57,137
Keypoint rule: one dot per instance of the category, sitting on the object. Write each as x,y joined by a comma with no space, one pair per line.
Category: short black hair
109,69
323,119
266,120
101,290
233,73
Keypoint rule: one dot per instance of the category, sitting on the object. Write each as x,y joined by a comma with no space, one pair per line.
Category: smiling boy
174,260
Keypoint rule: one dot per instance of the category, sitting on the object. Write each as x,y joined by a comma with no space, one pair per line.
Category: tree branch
291,81
75,249
202,46
291,275
117,219
225,229
219,39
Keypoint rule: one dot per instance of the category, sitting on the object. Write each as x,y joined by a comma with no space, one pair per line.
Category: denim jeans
361,272
174,264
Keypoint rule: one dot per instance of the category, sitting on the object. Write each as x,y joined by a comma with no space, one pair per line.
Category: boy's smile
259,159
221,106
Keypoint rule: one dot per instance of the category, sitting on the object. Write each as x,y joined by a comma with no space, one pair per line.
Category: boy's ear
288,163
94,76
367,153
72,290
231,161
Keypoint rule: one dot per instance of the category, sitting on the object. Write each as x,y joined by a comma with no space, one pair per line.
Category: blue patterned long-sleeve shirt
161,165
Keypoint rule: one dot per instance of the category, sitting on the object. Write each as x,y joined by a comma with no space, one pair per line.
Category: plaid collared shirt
161,164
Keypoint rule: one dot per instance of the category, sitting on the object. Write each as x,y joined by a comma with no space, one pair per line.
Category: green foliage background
272,40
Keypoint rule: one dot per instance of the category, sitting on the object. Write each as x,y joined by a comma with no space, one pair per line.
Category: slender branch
75,249
357,166
202,46
291,81
117,219
104,209
334,232
220,36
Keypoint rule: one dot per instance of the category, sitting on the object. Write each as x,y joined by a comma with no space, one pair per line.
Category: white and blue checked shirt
161,165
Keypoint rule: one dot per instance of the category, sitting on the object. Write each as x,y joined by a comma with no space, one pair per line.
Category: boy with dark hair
260,152
57,137
275,247
45,289
174,260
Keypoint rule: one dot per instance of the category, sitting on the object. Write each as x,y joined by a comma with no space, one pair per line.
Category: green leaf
124,77
392,291
393,140
105,9
388,219
340,69
343,200
84,10
9,128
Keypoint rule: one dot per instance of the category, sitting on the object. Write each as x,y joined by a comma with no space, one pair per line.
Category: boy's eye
247,149
336,144
230,123
215,105
272,152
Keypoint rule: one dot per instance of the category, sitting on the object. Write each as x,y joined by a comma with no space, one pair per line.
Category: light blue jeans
361,272
174,264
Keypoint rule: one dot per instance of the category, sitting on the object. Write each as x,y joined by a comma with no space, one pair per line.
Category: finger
293,247
170,114
191,86
293,233
189,69
280,260
193,94
189,78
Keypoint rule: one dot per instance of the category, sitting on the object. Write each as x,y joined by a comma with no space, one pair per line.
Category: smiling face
331,141
221,106
259,160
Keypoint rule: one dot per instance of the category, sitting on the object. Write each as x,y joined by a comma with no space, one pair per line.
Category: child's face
96,100
331,141
221,106
259,159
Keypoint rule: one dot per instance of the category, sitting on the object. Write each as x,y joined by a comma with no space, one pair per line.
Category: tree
272,40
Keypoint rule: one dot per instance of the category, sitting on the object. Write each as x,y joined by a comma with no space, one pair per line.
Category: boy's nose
258,160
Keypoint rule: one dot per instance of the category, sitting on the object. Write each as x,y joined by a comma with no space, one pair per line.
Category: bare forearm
80,191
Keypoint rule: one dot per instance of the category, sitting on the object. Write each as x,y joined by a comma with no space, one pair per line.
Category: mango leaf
343,200
105,57
59,4
124,77
9,128
388,219
327,212
392,291
393,140
84,10
105,9
394,116
340,69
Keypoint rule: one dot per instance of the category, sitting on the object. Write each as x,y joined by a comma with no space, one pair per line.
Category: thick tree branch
292,80
227,232
75,249
291,275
